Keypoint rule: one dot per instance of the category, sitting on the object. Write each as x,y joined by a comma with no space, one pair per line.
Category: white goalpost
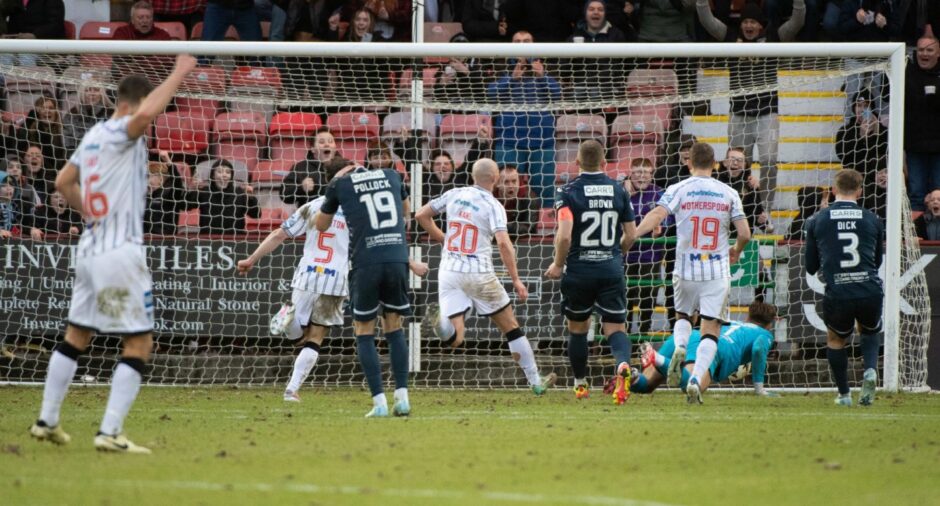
258,106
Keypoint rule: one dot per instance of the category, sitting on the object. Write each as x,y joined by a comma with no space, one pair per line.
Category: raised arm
712,25
792,27
155,103
269,244
508,254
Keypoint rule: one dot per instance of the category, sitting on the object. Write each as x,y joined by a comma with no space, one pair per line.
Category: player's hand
36,234
521,291
244,266
185,63
307,184
419,268
483,134
734,255
553,272
248,188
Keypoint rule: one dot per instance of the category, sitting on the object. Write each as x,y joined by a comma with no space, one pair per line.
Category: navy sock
839,364
398,349
620,346
369,360
578,354
640,386
870,344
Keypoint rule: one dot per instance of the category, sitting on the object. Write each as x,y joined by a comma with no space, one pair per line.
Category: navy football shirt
846,243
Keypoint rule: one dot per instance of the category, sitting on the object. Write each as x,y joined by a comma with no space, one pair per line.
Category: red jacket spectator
141,25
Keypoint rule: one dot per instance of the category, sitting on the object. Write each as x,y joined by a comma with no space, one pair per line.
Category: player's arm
629,236
743,228
269,244
810,250
66,183
425,218
508,254
759,350
562,243
160,97
651,221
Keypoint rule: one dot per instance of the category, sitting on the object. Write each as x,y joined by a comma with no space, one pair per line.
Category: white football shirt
704,209
324,267
473,218
113,176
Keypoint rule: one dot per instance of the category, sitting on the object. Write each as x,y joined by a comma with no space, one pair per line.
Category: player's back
704,210
849,241
473,218
743,335
324,266
113,177
372,203
598,206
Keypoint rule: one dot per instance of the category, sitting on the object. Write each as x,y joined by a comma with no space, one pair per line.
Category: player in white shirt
319,285
106,181
466,279
704,209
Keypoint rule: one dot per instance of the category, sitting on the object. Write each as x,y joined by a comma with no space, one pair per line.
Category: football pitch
246,446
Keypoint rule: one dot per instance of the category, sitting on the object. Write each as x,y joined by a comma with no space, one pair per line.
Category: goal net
238,150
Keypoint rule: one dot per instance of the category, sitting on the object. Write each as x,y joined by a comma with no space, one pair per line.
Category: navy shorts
581,296
379,286
842,315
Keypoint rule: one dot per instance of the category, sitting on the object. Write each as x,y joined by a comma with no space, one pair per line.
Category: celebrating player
466,276
740,346
375,203
595,227
704,209
845,243
106,181
319,284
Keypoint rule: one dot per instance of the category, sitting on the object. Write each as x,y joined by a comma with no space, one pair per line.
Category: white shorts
317,309
458,292
112,293
709,297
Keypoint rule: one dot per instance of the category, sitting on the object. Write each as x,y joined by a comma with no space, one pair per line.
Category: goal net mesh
796,121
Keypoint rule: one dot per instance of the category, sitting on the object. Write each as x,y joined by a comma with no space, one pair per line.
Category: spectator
865,21
777,11
545,20
43,127
141,25
463,80
275,12
166,197
223,204
526,139
309,20
25,198
441,172
928,224
391,18
360,79
9,219
735,173
56,217
665,20
483,21
38,173
921,128
677,170
620,14
643,261
188,12
876,200
378,156
93,106
595,27
753,121
307,177
362,28
521,209
33,19
598,79
862,144
914,19
220,14
811,200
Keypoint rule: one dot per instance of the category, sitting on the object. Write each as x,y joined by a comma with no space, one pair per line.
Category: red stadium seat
176,29
189,220
240,136
271,218
572,129
180,132
271,171
429,77
203,80
70,30
256,77
636,137
99,30
457,130
22,92
353,131
291,135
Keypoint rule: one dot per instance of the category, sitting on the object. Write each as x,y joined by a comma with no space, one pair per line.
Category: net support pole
415,169
892,261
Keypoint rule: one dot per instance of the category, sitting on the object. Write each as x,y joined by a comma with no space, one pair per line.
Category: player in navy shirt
845,243
595,226
375,203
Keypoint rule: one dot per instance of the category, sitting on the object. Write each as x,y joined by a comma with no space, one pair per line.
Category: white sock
658,359
294,331
681,332
445,328
58,378
526,360
580,381
703,358
124,387
303,364
401,394
379,400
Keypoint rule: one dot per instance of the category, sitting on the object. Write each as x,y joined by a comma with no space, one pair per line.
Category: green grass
245,446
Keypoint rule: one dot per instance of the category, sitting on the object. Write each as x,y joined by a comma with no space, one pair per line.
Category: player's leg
713,307
577,302
521,349
839,320
364,291
125,385
868,319
685,301
62,366
647,381
453,305
294,322
611,303
396,303
305,361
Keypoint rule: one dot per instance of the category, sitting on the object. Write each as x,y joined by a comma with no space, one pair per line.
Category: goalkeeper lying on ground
741,346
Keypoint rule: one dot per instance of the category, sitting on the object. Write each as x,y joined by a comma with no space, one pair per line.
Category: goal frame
896,54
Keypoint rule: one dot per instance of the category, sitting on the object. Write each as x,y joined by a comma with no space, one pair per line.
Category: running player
595,227
845,243
466,279
705,209
106,181
319,284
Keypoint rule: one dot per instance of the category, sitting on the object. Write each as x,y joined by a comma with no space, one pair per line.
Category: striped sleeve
498,219
440,203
